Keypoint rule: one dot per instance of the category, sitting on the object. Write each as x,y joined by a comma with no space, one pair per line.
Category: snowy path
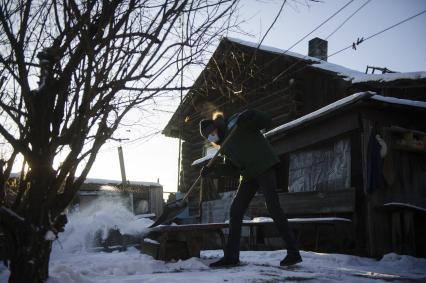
258,266
72,263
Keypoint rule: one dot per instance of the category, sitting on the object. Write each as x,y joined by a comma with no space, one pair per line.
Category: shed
142,197
371,144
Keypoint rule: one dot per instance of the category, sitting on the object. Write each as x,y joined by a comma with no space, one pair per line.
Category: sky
400,49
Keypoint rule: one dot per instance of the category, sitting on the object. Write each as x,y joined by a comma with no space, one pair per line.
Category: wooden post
121,159
409,246
123,176
396,232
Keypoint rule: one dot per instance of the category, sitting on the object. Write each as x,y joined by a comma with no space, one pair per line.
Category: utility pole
123,170
180,106
123,176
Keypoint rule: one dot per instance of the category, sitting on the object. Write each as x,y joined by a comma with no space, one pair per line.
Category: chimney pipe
318,48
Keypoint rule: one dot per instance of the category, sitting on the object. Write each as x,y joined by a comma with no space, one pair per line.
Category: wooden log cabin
325,119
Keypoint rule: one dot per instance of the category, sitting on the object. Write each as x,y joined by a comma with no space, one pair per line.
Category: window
323,168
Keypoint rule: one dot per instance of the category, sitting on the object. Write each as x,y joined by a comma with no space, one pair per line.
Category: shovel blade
170,211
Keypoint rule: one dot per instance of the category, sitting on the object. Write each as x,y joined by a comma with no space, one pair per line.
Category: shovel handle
211,161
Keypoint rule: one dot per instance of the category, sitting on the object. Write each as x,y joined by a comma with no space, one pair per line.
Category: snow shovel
173,209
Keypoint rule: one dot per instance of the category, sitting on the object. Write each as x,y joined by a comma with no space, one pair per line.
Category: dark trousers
267,183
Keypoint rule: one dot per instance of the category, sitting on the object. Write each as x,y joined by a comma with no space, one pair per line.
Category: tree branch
19,53
138,34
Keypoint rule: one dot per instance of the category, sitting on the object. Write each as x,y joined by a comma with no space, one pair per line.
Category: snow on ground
258,266
101,216
73,260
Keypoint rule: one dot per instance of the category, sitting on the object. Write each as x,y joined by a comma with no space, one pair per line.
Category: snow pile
117,267
395,261
257,266
101,216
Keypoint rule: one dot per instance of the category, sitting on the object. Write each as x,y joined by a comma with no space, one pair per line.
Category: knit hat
206,127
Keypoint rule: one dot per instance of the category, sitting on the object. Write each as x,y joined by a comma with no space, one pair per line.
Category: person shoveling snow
256,161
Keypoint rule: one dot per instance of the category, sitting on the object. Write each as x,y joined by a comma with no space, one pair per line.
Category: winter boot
225,262
291,259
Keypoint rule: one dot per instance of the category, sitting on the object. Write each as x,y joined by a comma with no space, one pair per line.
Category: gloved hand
245,117
205,171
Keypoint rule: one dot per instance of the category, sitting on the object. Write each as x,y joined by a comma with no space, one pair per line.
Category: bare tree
70,71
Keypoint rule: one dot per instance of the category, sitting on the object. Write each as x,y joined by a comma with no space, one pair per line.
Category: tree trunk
30,262
28,251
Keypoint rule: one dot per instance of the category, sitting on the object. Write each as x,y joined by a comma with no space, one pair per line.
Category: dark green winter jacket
248,149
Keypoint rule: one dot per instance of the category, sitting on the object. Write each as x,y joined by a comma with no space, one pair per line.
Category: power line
340,26
361,40
283,53
266,33
303,38
273,23
315,29
347,19
304,67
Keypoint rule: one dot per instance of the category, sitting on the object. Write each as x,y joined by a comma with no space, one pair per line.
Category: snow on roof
394,100
116,182
331,108
105,181
320,112
406,205
343,102
388,77
317,63
272,49
348,74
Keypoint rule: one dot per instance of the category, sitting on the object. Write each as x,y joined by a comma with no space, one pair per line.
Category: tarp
324,168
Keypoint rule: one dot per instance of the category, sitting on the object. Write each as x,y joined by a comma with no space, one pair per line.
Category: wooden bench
179,241
315,203
185,241
261,230
318,209
316,206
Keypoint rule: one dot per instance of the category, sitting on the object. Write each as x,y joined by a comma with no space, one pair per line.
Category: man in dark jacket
252,154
